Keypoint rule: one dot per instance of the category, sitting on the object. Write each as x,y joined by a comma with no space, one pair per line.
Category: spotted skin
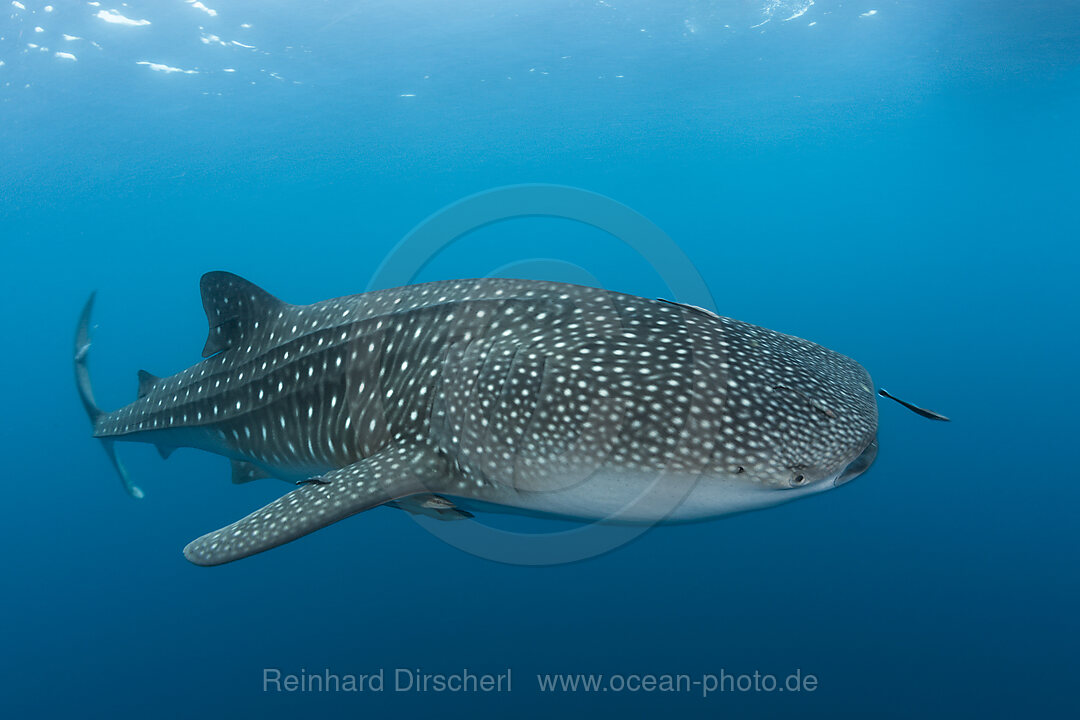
524,396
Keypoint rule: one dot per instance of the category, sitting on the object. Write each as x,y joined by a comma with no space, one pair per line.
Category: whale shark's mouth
859,465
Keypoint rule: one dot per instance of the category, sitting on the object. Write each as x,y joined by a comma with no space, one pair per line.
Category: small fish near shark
453,397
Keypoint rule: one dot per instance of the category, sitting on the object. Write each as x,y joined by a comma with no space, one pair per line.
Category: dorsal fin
233,306
146,382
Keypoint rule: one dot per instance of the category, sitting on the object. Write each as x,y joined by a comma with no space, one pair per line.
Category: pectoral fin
396,472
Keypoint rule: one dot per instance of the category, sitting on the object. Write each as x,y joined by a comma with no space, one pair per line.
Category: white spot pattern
517,384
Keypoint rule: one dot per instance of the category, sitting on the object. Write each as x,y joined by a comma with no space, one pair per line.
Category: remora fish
513,395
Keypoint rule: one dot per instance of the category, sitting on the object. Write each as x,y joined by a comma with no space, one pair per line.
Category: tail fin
86,393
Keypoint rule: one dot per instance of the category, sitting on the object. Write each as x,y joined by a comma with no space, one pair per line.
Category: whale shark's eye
798,480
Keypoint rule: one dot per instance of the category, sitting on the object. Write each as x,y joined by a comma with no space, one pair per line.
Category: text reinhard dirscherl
415,680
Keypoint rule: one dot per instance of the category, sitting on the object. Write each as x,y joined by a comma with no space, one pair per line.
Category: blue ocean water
895,180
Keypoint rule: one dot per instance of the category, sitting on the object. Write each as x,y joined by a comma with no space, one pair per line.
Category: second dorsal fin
233,306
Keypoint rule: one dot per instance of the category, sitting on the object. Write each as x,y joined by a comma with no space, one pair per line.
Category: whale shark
462,396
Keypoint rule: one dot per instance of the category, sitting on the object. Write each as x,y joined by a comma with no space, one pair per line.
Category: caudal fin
86,393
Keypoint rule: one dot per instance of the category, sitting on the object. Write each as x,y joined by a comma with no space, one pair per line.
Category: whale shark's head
784,475
797,418
824,473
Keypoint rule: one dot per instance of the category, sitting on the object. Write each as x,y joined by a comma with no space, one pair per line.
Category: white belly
638,497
